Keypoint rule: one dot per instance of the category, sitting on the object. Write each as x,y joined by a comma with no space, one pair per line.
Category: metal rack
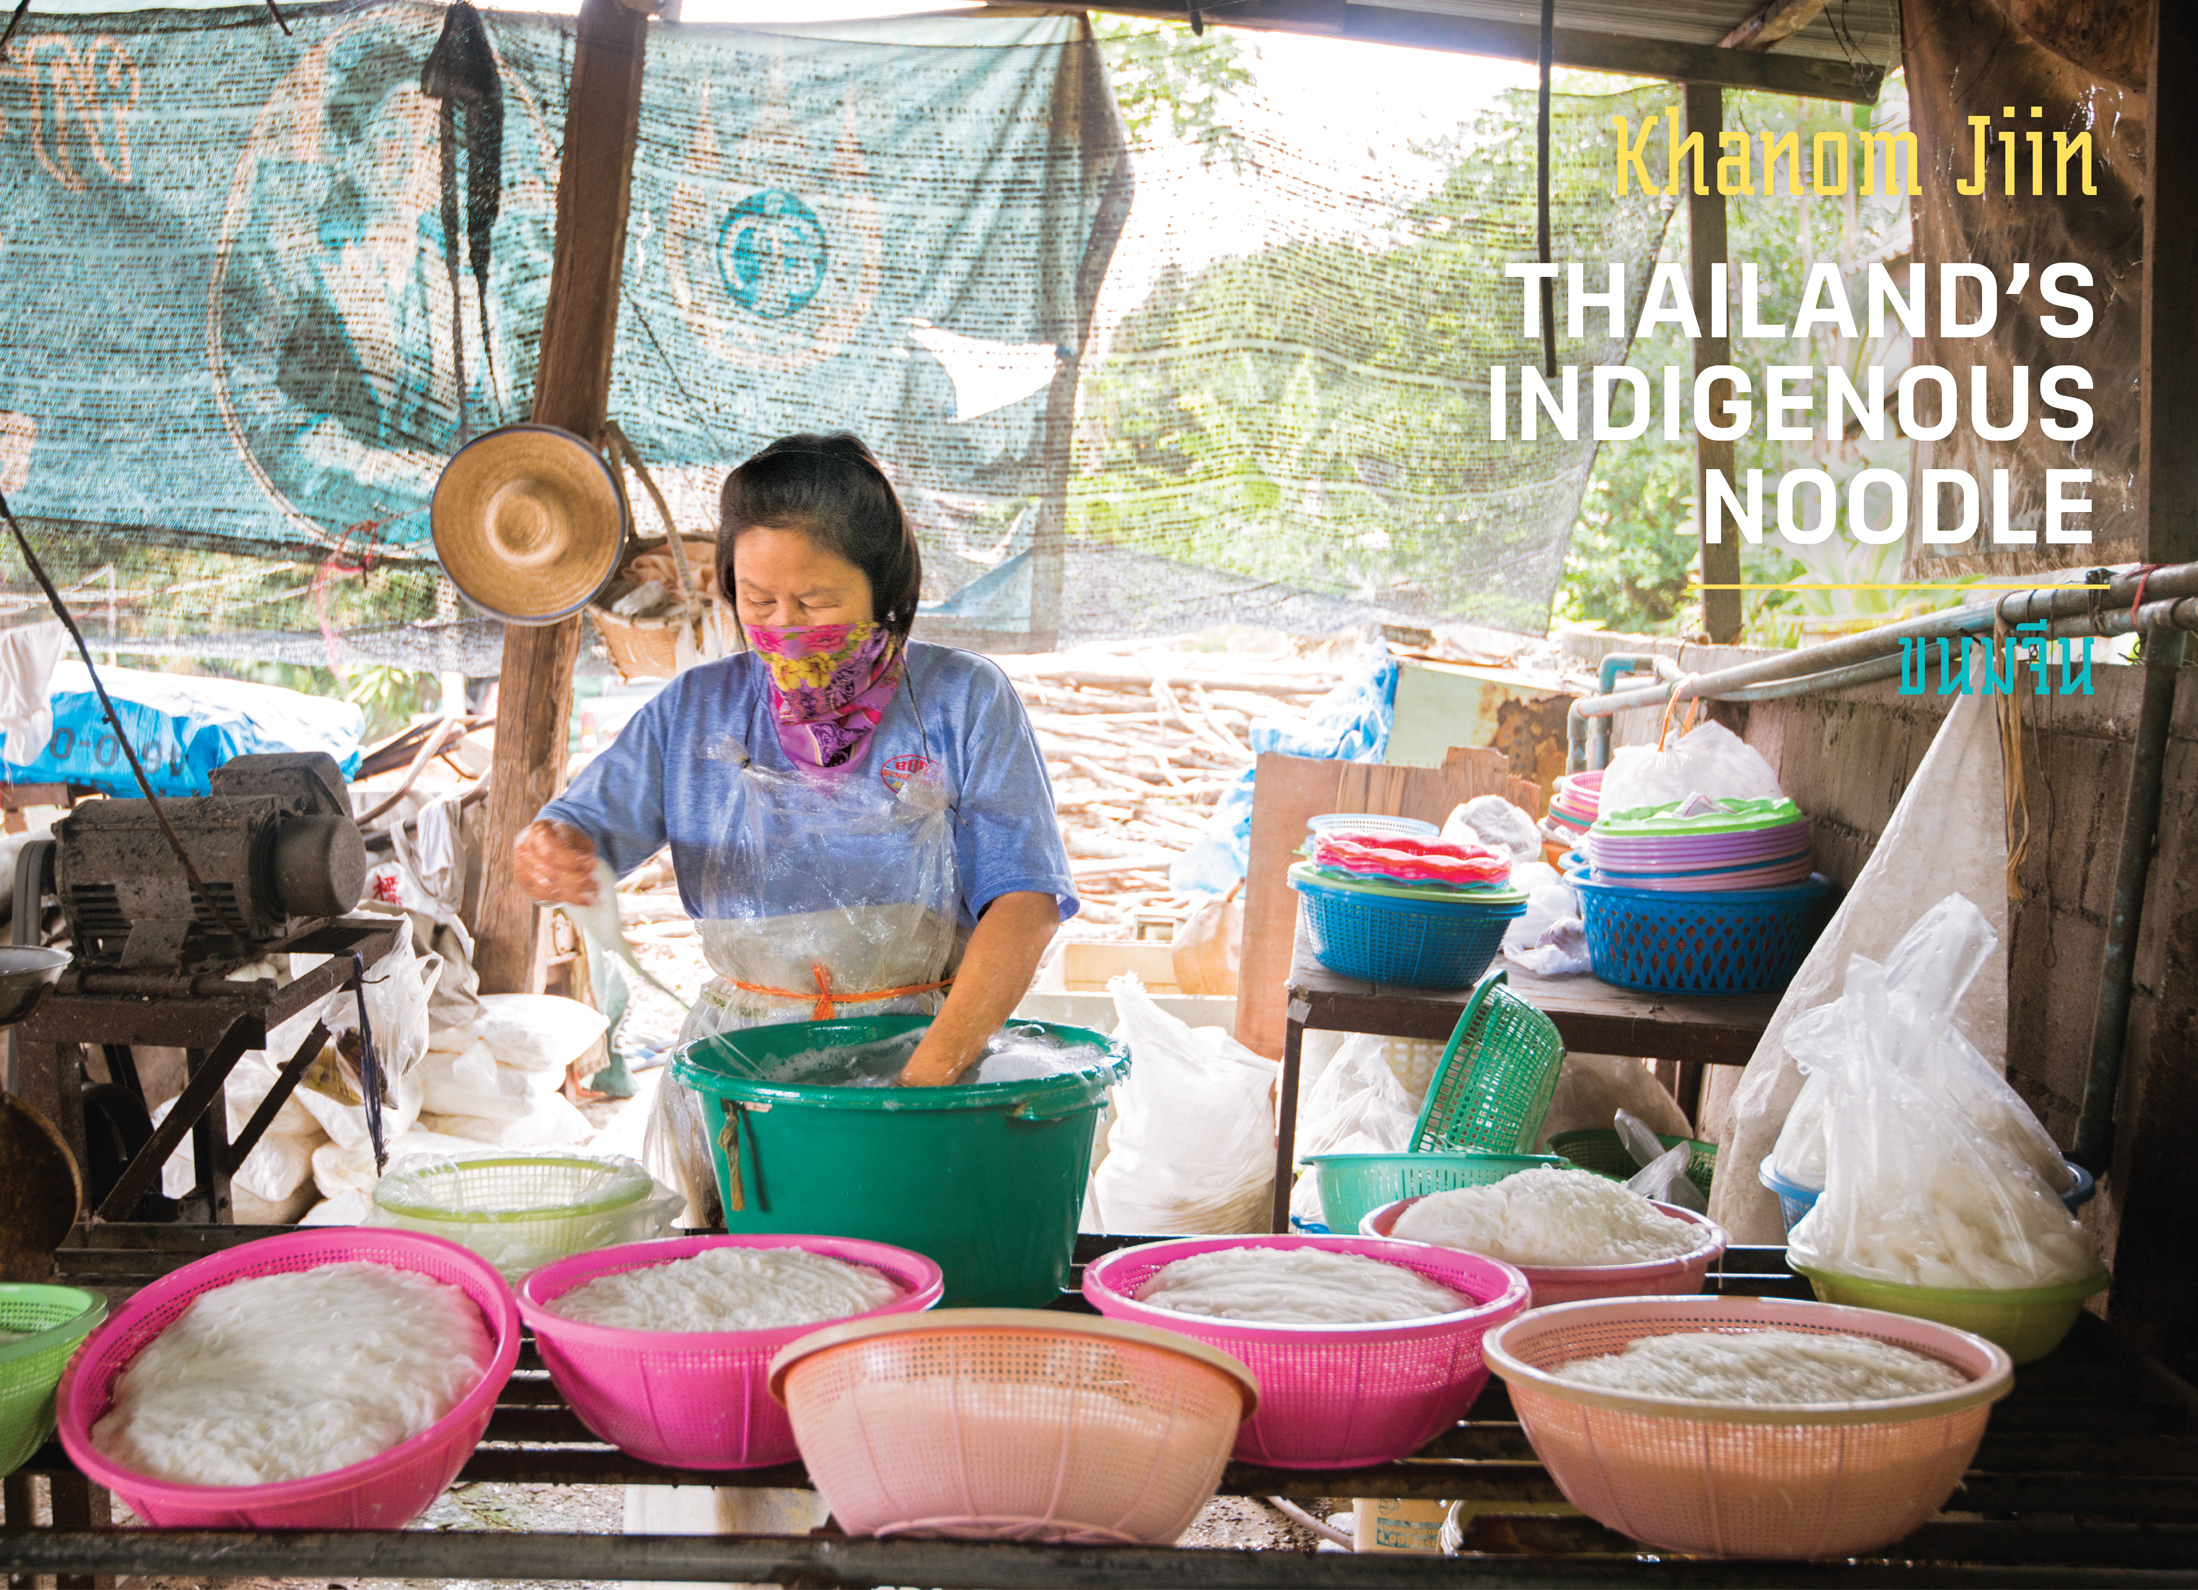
2088,1475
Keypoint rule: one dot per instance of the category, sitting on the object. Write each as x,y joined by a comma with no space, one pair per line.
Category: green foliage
1633,554
1171,83
390,697
1316,413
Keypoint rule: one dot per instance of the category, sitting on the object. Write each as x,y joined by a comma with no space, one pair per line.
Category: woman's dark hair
831,489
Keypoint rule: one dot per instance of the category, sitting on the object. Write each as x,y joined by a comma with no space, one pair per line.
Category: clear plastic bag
1936,960
1929,1180
1708,760
1663,1173
824,885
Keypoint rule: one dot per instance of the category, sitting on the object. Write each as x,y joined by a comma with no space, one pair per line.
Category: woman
860,824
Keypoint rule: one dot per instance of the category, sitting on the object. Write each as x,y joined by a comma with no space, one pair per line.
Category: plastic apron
832,896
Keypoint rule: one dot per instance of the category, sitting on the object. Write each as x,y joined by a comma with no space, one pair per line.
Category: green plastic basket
1353,1186
57,1319
1598,1149
1492,1089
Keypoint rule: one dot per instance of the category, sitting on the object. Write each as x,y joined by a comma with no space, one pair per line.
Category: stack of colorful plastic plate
1431,867
1572,808
1700,846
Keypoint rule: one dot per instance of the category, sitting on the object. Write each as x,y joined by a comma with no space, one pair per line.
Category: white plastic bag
1916,1191
1357,1098
1708,760
1494,824
1359,1105
1193,1145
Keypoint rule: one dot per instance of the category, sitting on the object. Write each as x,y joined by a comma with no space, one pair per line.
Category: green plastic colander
56,1319
1492,1089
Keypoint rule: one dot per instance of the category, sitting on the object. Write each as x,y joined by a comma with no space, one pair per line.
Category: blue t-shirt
658,785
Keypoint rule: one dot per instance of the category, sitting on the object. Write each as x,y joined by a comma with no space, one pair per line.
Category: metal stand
213,1018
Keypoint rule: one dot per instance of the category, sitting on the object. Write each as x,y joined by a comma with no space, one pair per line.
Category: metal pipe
1606,677
2068,609
2094,1149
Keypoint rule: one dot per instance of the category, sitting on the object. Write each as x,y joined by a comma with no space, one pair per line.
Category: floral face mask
830,686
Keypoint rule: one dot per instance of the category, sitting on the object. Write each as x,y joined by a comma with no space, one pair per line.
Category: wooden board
572,390
1291,789
1593,1016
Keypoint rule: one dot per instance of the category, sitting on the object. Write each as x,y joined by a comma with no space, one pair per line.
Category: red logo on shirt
902,770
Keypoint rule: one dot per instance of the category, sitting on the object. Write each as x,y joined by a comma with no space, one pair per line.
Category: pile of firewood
1139,747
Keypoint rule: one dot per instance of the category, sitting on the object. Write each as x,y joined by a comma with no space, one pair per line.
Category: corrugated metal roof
1868,30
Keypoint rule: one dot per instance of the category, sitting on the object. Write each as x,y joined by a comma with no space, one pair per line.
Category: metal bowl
26,972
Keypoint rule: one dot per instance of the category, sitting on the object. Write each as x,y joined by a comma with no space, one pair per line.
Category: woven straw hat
529,523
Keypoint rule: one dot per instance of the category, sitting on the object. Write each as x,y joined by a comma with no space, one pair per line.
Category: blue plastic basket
1795,1200
1384,938
1738,941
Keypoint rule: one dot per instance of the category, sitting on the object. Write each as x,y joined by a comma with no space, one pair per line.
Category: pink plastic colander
1336,1396
1012,1424
691,1399
1746,1479
1554,1283
384,1492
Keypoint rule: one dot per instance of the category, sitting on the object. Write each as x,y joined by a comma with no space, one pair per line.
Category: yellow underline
1972,585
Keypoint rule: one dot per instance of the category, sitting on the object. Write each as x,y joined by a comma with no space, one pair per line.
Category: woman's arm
996,970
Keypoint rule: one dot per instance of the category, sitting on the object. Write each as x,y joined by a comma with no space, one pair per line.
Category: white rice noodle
284,1376
1765,1366
1549,1217
730,1289
1297,1286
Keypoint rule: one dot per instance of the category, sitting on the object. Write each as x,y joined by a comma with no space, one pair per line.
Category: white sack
538,1032
1947,836
471,1082
279,1164
551,1122
338,1170
1593,1088
1193,1145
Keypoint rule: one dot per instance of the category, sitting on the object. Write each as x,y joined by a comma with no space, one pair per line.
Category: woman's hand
554,864
996,970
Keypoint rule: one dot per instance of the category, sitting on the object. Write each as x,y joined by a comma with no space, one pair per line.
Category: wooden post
2167,465
1706,247
571,389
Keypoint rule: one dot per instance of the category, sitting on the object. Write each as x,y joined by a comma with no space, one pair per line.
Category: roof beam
1800,76
1780,19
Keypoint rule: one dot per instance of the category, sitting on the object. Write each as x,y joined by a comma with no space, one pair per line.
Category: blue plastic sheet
1350,723
182,727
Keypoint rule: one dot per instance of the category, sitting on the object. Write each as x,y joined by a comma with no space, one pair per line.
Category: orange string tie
828,1002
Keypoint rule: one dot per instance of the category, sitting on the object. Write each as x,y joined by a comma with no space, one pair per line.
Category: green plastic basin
985,1180
45,1326
2029,1322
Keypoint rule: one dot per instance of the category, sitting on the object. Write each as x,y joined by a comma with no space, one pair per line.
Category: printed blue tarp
229,314
182,727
